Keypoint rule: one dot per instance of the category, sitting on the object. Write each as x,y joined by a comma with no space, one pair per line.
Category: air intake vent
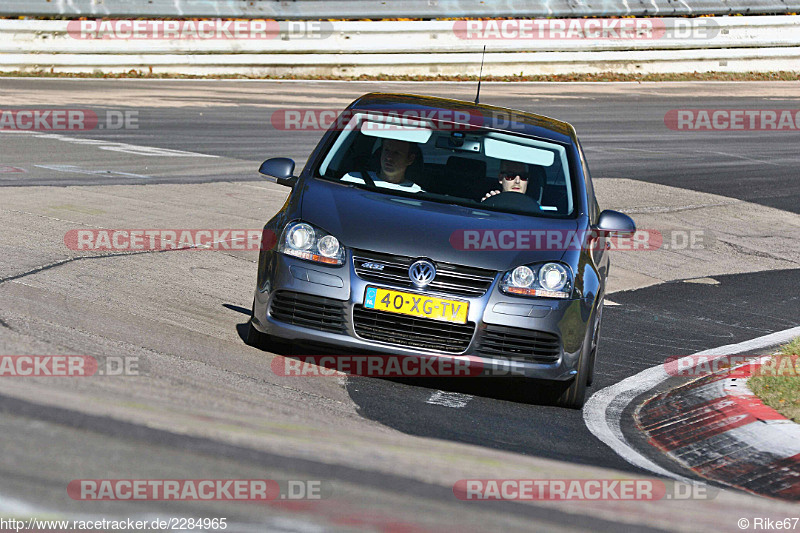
411,331
309,311
533,346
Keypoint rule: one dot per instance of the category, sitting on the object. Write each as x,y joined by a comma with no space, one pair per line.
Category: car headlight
550,280
522,276
553,277
302,240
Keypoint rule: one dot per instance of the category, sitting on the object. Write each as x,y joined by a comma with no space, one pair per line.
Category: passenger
396,157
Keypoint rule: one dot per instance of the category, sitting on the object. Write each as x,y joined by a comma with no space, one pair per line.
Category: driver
396,157
513,178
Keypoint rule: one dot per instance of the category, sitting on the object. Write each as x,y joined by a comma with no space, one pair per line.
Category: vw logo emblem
421,273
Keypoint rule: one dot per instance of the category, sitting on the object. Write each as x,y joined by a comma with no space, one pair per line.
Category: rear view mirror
280,168
616,222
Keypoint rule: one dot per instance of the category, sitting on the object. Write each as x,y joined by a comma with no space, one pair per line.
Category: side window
594,208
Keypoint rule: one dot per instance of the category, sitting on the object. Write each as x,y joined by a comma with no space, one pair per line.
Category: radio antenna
478,94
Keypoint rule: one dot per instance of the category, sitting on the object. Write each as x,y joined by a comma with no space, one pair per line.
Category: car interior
452,164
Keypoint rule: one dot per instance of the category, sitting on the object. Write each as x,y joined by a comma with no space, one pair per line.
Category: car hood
368,220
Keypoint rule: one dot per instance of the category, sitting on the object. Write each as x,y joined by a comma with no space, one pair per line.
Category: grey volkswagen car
432,227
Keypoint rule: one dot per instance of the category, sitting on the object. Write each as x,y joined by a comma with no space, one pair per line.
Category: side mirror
616,222
280,168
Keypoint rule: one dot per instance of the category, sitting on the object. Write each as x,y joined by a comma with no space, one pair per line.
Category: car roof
482,115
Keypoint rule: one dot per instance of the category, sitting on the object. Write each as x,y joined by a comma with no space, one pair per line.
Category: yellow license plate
406,303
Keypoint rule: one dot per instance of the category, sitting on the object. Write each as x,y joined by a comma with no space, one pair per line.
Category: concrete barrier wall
361,9
734,44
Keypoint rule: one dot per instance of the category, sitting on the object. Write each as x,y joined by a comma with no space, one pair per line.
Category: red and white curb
604,410
716,427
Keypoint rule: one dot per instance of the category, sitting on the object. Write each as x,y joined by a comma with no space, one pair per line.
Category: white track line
113,146
603,411
78,170
449,399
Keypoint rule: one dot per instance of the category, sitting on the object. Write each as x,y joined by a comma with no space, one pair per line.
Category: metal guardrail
361,9
347,48
350,37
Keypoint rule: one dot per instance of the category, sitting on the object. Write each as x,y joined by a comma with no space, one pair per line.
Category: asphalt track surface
624,136
649,326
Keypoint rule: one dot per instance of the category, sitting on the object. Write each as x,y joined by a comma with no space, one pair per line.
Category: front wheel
255,338
262,341
574,396
595,343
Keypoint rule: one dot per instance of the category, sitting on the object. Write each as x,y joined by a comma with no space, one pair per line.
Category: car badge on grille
373,266
421,273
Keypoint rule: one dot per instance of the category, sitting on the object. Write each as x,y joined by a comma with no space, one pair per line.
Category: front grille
412,331
450,278
533,346
309,311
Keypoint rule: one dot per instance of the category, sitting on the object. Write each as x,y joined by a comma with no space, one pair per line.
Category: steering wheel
512,200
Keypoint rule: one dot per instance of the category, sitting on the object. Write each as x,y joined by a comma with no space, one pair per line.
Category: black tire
255,338
574,396
595,343
265,342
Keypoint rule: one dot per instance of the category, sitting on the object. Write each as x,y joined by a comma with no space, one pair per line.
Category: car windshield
455,163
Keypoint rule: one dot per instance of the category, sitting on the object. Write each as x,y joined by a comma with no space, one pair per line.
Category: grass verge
782,393
601,77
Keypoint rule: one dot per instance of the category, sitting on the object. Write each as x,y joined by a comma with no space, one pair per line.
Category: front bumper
565,319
